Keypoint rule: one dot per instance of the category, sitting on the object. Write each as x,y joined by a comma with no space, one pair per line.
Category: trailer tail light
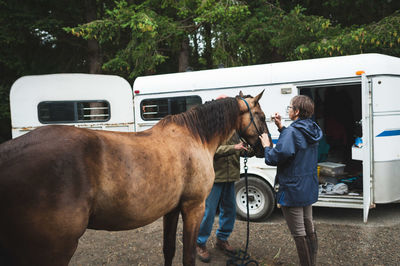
360,72
136,91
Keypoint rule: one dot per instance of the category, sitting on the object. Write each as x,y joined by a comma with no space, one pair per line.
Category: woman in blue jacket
296,158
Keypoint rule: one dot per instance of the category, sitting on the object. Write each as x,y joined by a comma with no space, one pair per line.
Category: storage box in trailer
355,96
81,100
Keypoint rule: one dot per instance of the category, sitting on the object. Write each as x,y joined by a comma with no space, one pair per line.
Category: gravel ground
343,240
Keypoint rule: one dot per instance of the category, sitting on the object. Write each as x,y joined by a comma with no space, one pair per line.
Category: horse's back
47,158
44,167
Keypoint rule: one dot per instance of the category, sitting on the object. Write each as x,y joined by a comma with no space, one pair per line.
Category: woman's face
293,114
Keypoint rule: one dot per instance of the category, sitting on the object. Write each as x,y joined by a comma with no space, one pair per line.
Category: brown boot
303,250
313,247
203,254
224,246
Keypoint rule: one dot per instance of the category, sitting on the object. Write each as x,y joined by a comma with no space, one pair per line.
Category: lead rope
242,257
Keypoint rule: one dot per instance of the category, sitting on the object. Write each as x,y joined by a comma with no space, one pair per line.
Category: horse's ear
258,97
241,94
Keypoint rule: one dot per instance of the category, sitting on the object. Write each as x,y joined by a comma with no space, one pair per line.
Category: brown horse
59,180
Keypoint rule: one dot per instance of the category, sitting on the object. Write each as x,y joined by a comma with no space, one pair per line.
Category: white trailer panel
29,91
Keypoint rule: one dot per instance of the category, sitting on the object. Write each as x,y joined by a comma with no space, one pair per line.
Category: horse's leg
170,223
192,214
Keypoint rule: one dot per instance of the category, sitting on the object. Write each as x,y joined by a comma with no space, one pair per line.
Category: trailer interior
338,113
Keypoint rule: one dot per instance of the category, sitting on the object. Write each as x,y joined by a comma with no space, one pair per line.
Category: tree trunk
208,48
94,51
195,55
94,57
184,55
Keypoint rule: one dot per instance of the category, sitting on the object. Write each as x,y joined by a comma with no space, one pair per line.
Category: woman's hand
278,120
265,140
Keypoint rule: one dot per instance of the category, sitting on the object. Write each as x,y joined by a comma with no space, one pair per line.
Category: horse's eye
260,116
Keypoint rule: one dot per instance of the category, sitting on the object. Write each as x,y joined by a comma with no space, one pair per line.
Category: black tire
261,201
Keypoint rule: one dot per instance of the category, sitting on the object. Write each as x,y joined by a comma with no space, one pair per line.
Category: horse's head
252,122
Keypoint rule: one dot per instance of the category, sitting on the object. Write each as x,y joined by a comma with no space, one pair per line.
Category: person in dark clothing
296,158
222,197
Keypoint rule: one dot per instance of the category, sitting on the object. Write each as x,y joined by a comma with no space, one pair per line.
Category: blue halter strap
251,120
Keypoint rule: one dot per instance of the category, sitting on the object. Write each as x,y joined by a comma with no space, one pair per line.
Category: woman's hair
304,104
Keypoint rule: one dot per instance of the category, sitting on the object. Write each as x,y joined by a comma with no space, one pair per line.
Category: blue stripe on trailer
389,133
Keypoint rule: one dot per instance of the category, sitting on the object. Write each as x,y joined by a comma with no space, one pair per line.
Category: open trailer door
366,102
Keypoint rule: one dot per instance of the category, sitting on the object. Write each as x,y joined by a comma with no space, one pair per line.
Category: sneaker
203,253
224,246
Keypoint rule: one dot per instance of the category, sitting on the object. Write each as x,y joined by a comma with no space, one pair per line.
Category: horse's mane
217,117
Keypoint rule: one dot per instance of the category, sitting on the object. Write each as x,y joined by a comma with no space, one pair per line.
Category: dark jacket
296,158
227,161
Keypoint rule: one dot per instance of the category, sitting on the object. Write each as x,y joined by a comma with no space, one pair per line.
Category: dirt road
343,238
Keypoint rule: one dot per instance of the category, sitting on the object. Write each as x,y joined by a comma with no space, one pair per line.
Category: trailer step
340,201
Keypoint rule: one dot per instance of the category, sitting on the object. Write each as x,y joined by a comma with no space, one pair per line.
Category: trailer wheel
261,199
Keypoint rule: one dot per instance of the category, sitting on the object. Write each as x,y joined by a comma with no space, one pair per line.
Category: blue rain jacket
296,158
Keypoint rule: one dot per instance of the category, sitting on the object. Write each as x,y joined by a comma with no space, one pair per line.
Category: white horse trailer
355,96
82,100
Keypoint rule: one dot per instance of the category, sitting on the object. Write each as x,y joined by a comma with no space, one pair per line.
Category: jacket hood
311,131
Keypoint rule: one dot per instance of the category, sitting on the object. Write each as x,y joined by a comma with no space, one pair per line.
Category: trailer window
73,111
155,109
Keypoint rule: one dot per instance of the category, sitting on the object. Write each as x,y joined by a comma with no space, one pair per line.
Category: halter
251,121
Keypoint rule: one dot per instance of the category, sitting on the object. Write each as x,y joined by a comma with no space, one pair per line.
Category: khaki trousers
299,220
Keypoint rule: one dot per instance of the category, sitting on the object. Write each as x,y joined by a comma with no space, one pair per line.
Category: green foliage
221,12
381,37
133,35
344,12
149,36
32,41
4,102
141,37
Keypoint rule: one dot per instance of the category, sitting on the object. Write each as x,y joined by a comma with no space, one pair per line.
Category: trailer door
367,142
